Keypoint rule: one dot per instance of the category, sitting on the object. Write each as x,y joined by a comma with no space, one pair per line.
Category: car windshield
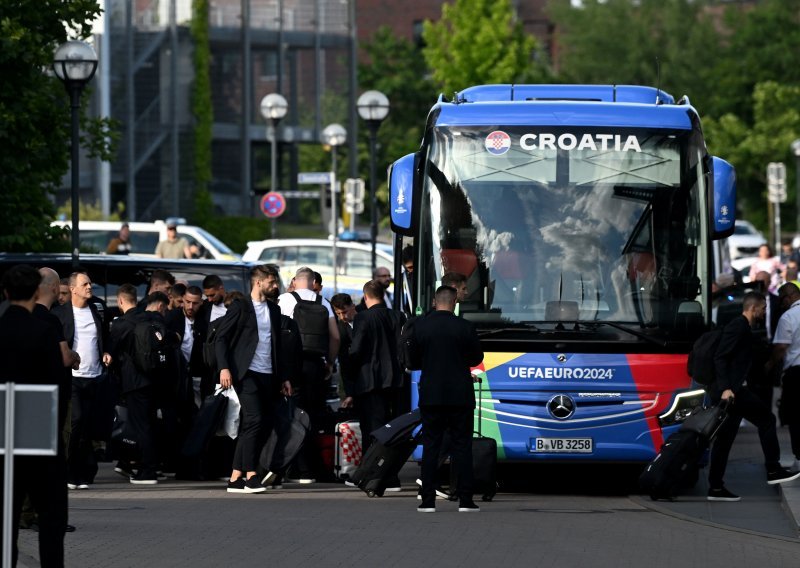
740,229
575,224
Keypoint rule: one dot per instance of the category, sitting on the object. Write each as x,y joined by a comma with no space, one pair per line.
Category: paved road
178,524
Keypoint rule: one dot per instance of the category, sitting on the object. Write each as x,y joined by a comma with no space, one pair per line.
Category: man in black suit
376,384
139,387
31,355
448,347
733,360
83,330
345,311
248,350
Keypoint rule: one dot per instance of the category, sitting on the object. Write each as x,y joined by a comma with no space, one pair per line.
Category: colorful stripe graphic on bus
572,406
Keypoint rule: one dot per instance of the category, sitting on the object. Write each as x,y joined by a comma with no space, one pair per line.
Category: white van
95,236
353,261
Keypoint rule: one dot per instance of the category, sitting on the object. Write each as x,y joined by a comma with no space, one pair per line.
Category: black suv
108,272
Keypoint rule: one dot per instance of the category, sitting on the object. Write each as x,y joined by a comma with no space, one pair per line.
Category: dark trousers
81,467
43,479
311,398
374,409
457,422
748,406
142,418
257,394
790,406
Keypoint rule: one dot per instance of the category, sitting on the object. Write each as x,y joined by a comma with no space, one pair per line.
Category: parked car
742,265
353,261
108,272
745,240
95,236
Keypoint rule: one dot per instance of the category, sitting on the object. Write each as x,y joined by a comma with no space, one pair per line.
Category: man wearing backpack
320,338
733,360
142,348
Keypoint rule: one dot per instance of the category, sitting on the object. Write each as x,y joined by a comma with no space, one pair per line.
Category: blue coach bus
583,218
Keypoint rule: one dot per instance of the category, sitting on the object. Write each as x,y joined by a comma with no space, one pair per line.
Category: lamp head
75,62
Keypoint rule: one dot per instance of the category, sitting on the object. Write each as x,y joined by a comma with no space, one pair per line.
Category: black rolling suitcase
484,462
676,465
390,449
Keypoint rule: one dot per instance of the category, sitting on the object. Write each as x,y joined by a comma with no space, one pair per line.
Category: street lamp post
796,152
273,108
74,63
373,106
334,135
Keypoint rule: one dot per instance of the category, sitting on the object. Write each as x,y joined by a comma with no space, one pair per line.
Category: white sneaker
302,481
395,489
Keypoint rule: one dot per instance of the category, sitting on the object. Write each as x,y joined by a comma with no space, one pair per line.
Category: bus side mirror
723,204
401,194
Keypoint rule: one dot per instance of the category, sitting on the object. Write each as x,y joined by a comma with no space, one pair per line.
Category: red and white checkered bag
348,449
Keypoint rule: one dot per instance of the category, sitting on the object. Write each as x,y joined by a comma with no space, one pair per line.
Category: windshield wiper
634,332
530,328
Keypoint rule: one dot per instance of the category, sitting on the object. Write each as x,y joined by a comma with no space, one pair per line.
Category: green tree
625,42
751,146
202,111
762,44
35,116
477,42
396,67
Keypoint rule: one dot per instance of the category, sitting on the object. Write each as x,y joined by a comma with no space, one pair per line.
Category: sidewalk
764,509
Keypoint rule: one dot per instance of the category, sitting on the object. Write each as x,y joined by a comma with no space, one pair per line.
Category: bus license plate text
563,445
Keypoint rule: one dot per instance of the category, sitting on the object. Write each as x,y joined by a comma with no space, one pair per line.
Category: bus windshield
567,224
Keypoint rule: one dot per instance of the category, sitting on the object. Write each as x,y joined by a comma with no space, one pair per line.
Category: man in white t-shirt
786,348
84,332
316,369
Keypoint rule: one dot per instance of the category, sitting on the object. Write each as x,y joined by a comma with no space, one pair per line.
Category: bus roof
565,105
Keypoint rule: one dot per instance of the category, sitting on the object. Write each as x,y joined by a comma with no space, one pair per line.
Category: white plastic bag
230,426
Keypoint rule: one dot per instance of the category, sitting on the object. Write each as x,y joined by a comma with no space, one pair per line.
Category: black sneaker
468,507
142,478
252,485
722,495
427,506
236,486
269,479
440,492
781,475
124,469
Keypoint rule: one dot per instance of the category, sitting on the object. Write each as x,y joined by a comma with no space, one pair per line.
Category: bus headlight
683,405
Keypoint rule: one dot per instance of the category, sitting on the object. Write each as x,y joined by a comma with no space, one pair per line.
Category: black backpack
151,349
408,350
700,365
312,321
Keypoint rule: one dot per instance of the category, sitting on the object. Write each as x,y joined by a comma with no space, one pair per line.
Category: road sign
300,194
354,190
273,204
354,208
314,177
776,182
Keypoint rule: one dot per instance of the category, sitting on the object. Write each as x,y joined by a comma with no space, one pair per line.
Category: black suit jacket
733,357
373,353
449,347
237,339
28,349
67,319
176,323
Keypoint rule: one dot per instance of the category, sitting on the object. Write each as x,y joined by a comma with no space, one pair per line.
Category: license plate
562,445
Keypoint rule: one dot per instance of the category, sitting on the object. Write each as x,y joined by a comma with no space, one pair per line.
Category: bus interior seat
462,261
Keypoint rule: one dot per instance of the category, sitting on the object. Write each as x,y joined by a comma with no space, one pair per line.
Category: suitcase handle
480,407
